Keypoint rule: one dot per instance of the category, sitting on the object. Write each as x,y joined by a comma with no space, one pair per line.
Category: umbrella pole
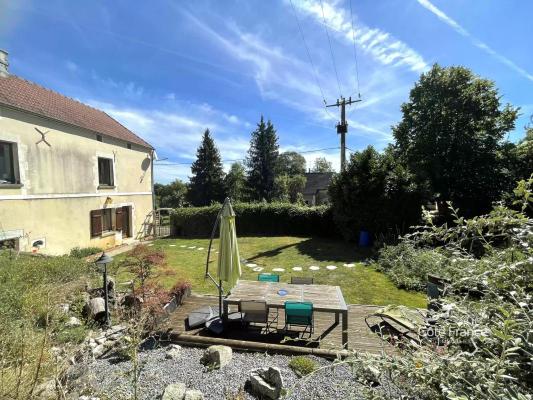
220,299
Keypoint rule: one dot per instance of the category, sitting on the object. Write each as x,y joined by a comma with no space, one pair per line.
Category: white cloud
176,133
71,66
381,45
475,41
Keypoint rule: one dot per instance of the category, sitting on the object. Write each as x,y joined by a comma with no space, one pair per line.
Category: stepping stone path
150,244
349,265
297,268
314,268
191,247
258,269
278,269
251,265
172,245
331,267
200,248
183,245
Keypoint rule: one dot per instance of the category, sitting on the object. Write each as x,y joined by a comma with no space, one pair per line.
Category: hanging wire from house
355,52
331,48
242,159
313,68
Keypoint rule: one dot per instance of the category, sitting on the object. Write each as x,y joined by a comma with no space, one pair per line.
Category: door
126,231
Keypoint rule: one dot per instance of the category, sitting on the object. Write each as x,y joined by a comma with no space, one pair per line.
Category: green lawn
360,285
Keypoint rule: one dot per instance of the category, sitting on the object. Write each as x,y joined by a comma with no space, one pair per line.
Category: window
99,138
102,221
105,171
129,146
8,171
107,220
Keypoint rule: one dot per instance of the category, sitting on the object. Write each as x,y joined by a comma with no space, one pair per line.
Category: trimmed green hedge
266,219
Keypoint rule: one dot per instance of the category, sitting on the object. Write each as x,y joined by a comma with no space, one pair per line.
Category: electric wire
242,159
355,52
331,48
313,68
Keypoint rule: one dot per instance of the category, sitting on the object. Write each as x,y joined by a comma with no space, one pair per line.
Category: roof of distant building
317,181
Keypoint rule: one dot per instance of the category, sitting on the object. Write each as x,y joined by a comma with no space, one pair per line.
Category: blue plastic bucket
364,239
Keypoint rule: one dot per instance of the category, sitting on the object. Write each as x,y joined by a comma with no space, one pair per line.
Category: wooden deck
327,333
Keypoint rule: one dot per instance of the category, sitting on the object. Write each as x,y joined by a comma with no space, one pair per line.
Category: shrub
408,266
82,252
485,321
374,193
258,219
303,365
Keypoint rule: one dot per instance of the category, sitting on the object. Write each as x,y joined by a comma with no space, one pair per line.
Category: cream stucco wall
60,183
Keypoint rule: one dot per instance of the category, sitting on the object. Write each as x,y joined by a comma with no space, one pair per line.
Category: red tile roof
25,95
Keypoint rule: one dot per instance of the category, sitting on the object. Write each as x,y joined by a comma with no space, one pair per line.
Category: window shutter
96,223
118,219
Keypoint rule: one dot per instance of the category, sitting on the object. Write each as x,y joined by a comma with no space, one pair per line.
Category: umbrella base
199,317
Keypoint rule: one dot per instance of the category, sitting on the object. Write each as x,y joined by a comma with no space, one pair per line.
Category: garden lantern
102,263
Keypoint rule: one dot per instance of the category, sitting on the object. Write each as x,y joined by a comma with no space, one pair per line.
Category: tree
291,163
288,188
322,165
262,161
450,135
207,183
374,193
235,182
172,195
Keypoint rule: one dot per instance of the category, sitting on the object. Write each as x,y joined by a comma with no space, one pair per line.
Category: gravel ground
112,380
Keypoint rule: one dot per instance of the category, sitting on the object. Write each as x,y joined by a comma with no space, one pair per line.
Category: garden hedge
266,219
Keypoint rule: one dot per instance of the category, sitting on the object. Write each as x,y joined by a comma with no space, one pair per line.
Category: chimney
4,63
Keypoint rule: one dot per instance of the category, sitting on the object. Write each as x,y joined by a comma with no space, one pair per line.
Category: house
70,175
316,188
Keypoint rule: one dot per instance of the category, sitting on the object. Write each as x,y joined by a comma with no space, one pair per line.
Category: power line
313,68
355,52
242,159
331,49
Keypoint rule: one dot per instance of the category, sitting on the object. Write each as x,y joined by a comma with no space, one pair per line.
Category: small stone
73,321
217,356
98,351
192,394
173,352
46,390
174,391
100,340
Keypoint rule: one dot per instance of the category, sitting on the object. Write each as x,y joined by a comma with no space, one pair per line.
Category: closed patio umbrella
229,264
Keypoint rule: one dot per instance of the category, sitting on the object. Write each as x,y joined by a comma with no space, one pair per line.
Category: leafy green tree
322,165
235,182
207,182
172,195
451,132
291,163
262,161
374,193
287,187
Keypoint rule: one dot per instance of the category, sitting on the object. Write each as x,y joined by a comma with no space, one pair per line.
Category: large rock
46,390
217,356
266,382
192,394
173,352
174,391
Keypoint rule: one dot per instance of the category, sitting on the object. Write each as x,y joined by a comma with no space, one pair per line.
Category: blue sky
169,69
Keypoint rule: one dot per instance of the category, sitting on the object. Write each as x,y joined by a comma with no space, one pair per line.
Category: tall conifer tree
262,161
207,181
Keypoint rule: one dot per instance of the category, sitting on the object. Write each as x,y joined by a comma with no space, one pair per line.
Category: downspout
152,156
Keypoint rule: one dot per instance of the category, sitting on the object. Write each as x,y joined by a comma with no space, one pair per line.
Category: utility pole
342,127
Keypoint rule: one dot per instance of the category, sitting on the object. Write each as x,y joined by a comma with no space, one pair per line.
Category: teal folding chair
300,314
268,278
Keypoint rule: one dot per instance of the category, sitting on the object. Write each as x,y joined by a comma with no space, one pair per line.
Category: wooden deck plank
327,334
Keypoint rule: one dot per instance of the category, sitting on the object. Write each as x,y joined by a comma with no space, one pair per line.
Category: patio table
325,298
